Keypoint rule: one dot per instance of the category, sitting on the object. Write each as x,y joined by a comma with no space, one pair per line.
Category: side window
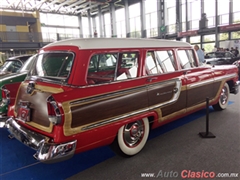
186,58
158,62
152,65
55,64
16,65
109,67
128,66
166,60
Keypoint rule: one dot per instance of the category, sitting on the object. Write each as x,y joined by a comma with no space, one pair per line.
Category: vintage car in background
18,76
222,58
13,64
81,94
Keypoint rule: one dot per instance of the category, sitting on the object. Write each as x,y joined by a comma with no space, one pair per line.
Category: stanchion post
207,134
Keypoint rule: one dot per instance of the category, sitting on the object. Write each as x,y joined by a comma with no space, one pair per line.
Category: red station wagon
85,93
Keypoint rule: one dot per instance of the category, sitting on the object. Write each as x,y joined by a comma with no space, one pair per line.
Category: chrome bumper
47,152
236,87
3,120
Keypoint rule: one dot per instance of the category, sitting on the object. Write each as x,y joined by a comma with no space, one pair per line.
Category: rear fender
13,88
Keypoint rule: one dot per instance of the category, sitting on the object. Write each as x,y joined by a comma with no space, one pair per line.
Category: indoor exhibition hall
119,89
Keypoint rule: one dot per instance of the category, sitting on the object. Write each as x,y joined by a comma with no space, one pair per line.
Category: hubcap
133,133
224,96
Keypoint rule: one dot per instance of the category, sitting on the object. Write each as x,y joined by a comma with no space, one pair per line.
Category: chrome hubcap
133,133
224,96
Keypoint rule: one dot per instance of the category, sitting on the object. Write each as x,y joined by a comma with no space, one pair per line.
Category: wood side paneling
38,100
103,108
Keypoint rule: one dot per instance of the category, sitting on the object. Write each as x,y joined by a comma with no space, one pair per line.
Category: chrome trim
175,97
47,152
211,80
30,87
176,93
3,120
105,96
235,88
200,83
225,77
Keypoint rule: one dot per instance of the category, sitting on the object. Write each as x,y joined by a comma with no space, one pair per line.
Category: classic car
13,64
223,58
81,94
220,58
12,78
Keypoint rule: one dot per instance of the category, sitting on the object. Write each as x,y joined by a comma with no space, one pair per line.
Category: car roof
22,58
220,52
97,43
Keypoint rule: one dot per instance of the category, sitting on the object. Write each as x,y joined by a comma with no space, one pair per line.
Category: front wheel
131,138
224,98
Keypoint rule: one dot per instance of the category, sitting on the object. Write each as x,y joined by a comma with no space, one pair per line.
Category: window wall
223,12
58,20
235,35
194,14
183,8
151,18
135,20
57,27
85,28
120,22
171,16
210,10
195,39
107,25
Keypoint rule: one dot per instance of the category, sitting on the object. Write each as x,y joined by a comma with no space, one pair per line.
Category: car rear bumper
46,151
3,121
235,88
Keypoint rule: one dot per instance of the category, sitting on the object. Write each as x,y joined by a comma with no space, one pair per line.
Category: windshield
53,65
10,66
28,64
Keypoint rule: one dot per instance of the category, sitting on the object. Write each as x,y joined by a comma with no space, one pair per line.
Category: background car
13,78
220,58
13,64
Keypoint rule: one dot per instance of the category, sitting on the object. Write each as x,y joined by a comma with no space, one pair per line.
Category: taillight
54,114
5,95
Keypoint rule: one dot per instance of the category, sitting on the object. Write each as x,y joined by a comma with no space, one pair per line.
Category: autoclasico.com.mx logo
187,174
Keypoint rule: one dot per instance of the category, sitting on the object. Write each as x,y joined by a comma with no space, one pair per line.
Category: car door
165,93
197,80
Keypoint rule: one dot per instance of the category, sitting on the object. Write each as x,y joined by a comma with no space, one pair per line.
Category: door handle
175,90
151,79
185,72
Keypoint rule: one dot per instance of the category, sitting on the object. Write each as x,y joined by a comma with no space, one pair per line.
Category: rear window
53,65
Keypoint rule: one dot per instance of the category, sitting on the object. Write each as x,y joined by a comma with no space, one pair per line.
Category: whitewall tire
224,98
132,138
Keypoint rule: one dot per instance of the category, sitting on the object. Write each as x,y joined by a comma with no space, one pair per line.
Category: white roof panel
100,43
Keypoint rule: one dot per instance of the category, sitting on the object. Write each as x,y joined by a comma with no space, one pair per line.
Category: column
89,23
161,18
216,24
178,16
230,17
113,20
101,28
187,23
80,25
230,12
143,19
127,19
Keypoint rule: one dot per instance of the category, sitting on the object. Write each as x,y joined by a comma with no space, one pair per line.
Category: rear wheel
131,138
224,98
